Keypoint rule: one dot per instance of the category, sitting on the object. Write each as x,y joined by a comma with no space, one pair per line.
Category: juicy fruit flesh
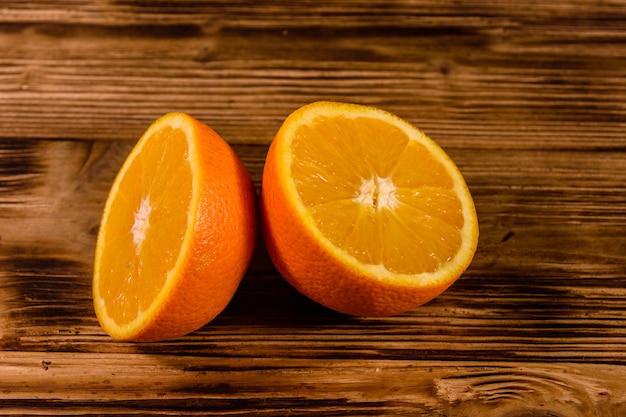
146,225
377,194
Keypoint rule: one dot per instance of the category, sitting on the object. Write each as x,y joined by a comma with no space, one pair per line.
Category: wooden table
529,99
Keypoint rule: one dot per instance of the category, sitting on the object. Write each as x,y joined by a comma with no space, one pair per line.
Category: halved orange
362,212
176,235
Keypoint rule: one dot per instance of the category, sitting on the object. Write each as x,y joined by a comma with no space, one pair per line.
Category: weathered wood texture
529,98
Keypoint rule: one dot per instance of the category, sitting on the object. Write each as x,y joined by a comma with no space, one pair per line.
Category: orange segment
176,235
380,219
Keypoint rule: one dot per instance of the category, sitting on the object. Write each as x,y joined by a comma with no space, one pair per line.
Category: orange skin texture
221,248
309,267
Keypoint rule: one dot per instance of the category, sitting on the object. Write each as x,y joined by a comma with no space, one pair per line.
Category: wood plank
534,292
52,382
485,74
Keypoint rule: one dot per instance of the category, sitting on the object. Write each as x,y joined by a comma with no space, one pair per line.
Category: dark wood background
529,99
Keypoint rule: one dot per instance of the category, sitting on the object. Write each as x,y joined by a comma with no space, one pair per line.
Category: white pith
377,193
141,224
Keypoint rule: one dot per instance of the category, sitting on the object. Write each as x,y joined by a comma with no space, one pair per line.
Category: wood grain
528,98
479,73
162,384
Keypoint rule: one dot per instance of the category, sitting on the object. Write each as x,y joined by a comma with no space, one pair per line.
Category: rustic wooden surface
529,98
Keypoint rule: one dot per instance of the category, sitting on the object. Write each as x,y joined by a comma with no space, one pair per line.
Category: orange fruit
362,212
176,235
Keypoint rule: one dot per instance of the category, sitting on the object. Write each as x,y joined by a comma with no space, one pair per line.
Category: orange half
176,235
364,213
